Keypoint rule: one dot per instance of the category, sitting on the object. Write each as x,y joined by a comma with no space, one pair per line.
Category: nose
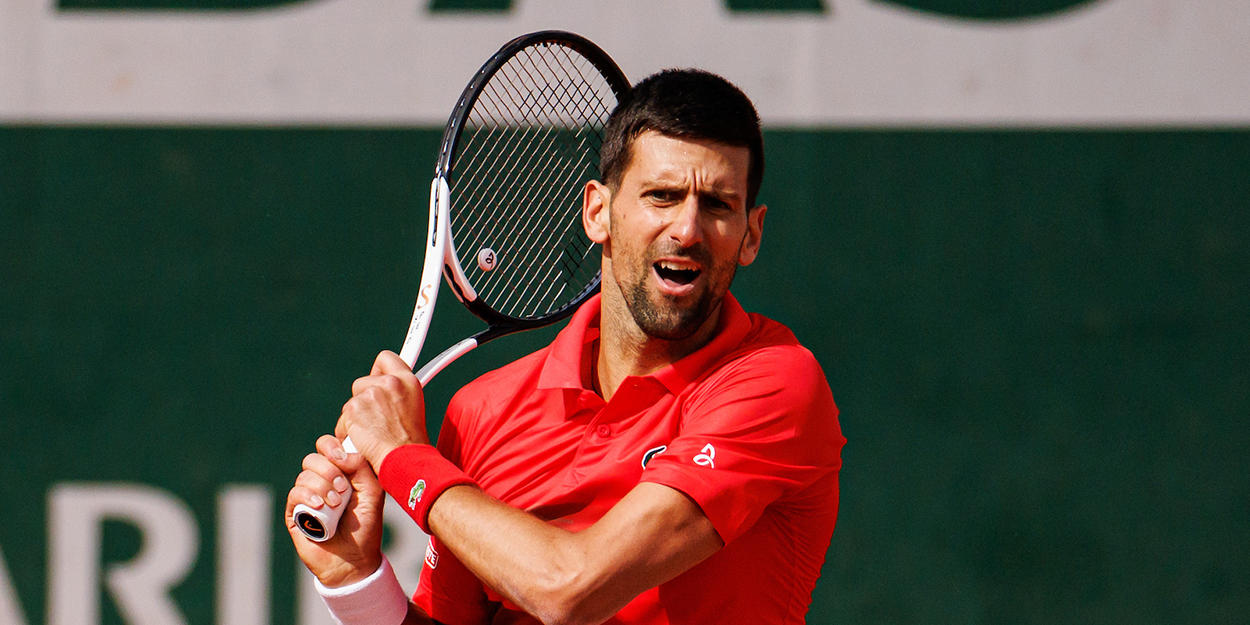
686,228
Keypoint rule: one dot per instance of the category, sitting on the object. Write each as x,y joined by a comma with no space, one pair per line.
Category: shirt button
603,431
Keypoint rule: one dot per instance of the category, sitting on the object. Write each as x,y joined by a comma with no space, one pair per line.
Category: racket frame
498,324
440,255
453,270
320,524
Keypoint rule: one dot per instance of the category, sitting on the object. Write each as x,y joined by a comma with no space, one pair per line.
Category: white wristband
374,600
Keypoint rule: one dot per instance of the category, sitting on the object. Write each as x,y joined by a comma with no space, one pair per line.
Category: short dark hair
683,103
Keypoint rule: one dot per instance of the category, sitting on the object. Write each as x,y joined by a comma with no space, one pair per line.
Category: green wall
1039,342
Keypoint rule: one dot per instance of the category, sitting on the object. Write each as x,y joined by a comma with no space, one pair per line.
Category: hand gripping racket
520,146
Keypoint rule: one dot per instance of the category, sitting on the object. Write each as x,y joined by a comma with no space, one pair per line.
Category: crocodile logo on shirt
651,453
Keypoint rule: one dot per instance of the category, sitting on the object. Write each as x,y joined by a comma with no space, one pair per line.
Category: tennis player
669,458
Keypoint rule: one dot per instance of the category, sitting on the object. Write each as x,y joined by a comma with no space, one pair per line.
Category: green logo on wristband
414,495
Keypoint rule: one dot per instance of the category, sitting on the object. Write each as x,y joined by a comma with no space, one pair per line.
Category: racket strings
546,174
549,223
488,121
531,143
538,255
579,99
545,253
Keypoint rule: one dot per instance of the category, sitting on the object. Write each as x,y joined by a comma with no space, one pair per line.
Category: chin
670,321
665,317
671,333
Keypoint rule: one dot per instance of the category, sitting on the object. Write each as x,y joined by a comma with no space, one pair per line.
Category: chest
567,456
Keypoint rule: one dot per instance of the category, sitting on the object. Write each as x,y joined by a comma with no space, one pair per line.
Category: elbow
570,600
569,615
563,617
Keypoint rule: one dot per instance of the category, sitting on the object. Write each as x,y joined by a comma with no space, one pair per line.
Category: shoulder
770,356
496,387
768,381
758,428
473,413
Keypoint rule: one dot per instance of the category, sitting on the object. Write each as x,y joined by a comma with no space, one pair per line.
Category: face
675,232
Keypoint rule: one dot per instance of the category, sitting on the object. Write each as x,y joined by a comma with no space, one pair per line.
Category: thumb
364,480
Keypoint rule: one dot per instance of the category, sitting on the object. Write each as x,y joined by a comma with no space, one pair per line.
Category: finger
386,370
365,480
389,363
361,384
301,493
329,490
331,448
329,471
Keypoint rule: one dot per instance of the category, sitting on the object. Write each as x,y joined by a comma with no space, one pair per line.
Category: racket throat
449,355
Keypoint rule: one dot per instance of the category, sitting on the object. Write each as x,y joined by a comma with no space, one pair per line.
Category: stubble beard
673,322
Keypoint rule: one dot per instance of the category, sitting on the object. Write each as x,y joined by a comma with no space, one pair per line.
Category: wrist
377,455
348,573
374,450
376,599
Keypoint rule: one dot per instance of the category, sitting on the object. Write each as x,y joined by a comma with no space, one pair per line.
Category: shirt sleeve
761,429
448,592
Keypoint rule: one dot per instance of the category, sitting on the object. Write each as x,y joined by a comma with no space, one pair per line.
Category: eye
664,196
714,203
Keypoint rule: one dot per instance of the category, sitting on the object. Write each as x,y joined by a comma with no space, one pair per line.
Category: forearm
652,535
531,563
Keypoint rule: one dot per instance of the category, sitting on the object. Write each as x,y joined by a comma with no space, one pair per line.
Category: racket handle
320,524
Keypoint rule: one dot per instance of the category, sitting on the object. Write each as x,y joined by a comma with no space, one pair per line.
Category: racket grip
320,524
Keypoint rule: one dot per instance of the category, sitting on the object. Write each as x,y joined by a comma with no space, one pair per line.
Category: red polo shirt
745,426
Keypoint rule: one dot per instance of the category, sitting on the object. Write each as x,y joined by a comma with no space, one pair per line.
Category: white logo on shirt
705,459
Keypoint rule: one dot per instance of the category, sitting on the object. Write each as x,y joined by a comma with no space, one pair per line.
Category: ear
755,232
597,211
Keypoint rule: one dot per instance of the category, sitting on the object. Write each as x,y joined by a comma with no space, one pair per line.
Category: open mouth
675,274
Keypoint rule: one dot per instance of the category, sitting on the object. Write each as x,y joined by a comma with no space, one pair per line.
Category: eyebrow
729,198
716,191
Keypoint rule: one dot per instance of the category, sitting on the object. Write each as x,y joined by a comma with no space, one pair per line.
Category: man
667,459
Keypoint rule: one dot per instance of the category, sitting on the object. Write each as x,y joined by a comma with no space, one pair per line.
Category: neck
625,350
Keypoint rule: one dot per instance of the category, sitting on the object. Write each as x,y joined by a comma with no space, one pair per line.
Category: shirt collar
731,329
563,366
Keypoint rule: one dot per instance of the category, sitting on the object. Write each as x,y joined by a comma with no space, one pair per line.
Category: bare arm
649,537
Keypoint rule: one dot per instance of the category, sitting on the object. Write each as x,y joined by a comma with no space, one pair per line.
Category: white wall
1113,62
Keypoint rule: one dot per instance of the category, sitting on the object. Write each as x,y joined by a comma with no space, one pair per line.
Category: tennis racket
505,226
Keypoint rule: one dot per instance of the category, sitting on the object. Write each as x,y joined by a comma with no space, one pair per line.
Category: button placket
632,397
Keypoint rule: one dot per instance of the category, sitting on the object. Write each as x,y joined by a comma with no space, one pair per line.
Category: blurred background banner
1015,234
805,62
